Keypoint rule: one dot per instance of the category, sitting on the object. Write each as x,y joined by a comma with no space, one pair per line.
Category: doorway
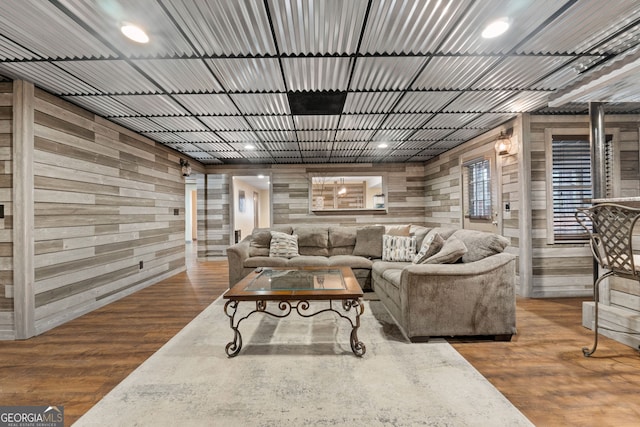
251,200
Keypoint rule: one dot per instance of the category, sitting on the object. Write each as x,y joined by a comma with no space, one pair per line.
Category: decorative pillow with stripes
283,245
398,248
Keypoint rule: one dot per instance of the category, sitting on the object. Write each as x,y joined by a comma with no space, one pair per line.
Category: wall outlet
141,264
176,212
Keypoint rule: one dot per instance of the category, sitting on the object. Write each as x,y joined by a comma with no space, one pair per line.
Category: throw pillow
398,230
283,245
260,242
481,244
452,250
369,241
398,248
430,246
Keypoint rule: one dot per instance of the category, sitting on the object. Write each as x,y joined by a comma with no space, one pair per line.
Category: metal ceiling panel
46,31
165,137
109,76
275,136
410,26
270,122
139,124
370,102
478,101
151,105
489,120
453,73
262,103
451,120
570,72
186,147
309,146
179,75
225,123
524,101
385,73
584,27
217,27
520,72
448,144
430,134
405,121
318,26
180,123
464,135
280,146
229,155
208,104
316,135
524,17
392,135
9,50
238,136
568,108
104,18
418,145
104,106
316,122
354,135
248,75
212,146
361,121
425,102
47,76
199,136
349,145
309,74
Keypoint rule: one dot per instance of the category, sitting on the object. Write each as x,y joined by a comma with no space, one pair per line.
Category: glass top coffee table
291,289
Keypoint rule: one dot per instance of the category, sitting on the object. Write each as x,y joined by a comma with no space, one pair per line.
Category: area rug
301,372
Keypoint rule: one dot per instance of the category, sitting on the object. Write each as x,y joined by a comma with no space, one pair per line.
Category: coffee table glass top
297,280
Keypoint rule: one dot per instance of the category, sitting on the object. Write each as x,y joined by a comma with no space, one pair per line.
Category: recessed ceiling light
383,145
496,28
261,176
249,147
134,33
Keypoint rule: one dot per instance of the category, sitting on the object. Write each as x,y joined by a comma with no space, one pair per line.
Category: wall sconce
503,144
185,167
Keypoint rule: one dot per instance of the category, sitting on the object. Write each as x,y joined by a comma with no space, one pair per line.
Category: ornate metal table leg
357,346
233,348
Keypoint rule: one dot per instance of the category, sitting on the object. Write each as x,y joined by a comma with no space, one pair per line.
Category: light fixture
383,145
343,190
135,33
249,147
496,28
503,144
185,167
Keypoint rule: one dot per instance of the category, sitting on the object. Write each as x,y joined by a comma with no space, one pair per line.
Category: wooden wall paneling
7,324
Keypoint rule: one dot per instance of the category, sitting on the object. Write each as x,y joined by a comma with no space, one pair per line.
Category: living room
94,133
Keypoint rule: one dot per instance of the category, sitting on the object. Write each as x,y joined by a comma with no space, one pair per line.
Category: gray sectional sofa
463,286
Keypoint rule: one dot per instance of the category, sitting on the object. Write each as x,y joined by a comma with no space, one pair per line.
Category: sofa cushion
420,232
381,266
349,261
261,239
480,244
398,248
398,230
430,247
308,261
283,245
342,240
369,241
312,240
393,275
265,261
452,250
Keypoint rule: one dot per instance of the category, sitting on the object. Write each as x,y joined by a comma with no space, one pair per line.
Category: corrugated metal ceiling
416,74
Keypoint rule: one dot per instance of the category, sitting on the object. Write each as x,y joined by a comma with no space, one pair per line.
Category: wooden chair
610,228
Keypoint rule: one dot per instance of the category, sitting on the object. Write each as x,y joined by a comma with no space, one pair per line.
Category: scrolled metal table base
286,308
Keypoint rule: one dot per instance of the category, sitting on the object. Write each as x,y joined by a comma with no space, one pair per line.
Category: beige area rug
301,372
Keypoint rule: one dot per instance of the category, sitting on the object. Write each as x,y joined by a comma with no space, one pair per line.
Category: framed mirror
339,193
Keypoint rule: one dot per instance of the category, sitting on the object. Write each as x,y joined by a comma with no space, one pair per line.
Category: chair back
611,236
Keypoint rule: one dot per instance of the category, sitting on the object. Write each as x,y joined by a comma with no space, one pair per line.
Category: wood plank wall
7,327
105,201
290,199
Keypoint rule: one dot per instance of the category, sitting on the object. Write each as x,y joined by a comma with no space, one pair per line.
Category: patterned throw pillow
430,246
398,248
283,245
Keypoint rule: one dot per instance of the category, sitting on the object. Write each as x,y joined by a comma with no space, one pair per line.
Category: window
571,179
479,188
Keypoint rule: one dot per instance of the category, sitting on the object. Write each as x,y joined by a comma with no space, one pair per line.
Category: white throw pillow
283,245
398,248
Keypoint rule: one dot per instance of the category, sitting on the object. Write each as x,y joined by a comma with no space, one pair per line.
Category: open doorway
251,204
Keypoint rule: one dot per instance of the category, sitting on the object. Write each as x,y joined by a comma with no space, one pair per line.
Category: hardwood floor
542,370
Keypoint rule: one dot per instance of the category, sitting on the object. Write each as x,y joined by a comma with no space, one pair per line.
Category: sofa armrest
236,255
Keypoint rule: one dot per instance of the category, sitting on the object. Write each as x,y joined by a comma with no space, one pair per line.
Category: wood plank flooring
542,370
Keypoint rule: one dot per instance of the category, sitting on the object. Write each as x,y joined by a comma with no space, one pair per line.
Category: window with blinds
479,189
572,183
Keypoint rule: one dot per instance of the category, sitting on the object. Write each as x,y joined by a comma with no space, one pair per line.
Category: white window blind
479,182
